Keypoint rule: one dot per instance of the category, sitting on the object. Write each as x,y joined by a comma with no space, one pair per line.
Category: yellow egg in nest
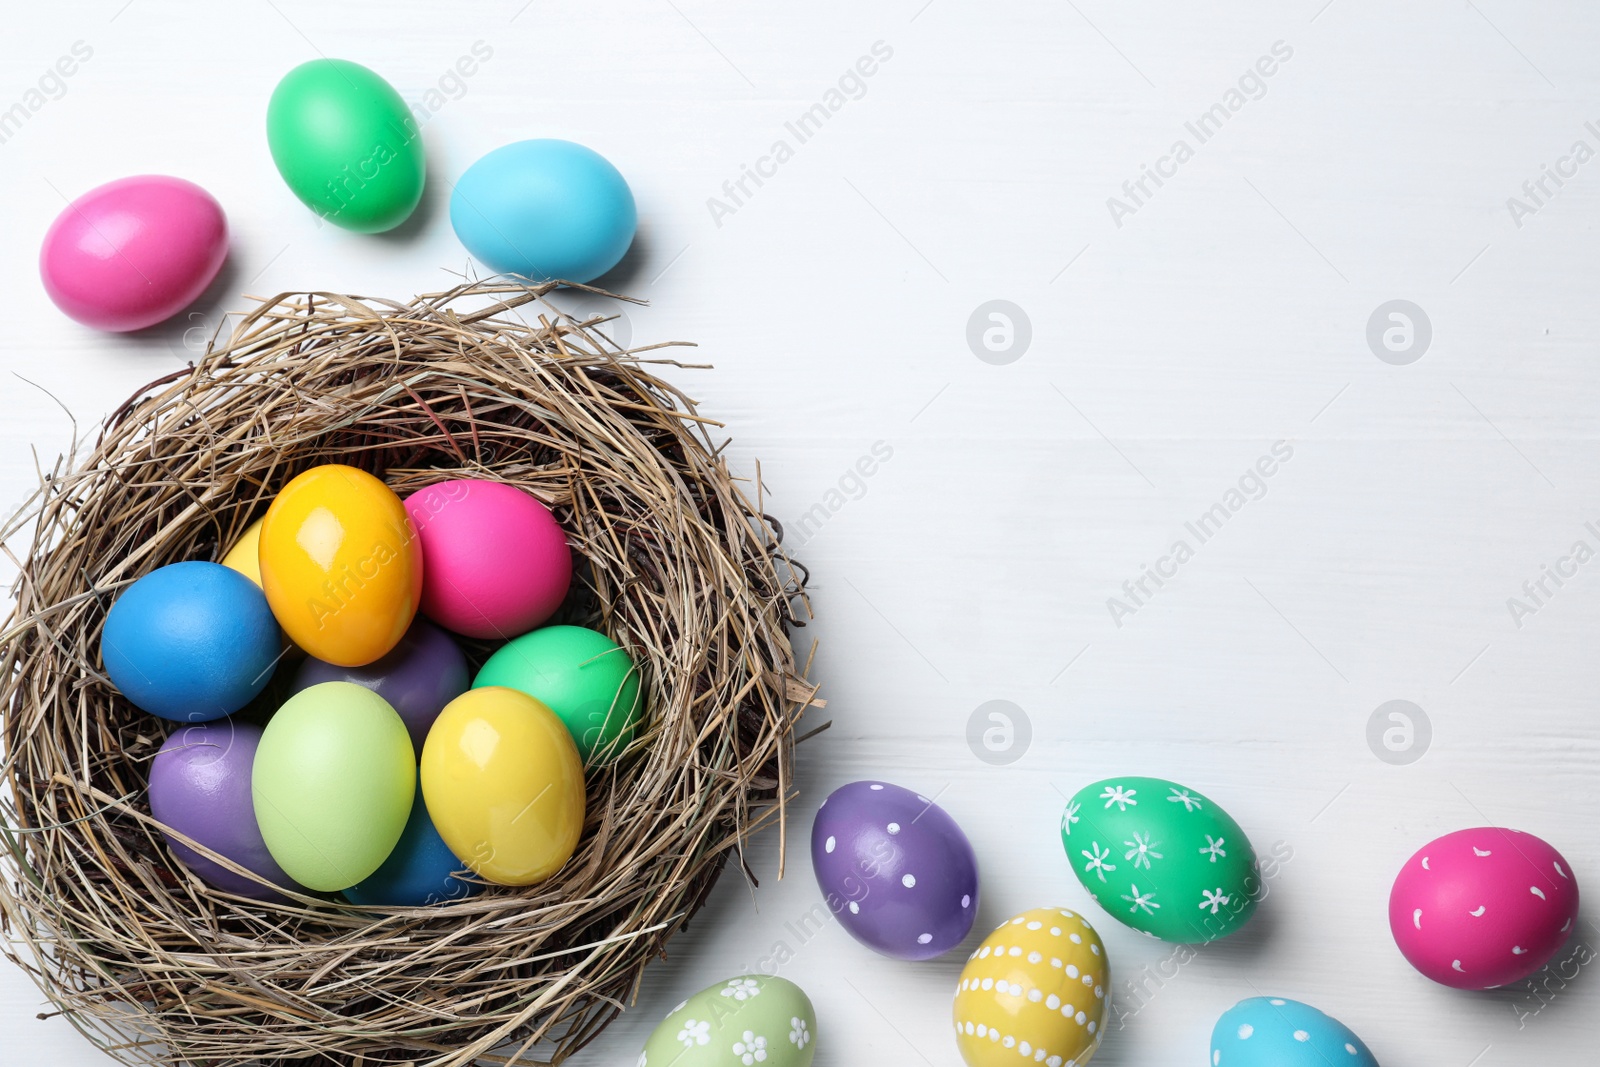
245,555
340,564
1035,991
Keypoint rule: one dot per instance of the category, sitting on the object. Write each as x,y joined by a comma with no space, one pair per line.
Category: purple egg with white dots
896,870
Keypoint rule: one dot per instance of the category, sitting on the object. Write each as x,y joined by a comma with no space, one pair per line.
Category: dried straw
678,565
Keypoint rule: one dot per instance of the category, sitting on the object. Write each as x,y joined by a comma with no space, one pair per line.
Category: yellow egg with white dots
1035,991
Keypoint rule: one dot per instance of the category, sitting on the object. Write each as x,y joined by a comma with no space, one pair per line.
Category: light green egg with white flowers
740,1022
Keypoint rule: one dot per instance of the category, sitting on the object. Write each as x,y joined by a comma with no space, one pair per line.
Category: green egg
751,1019
346,145
332,784
582,675
1161,858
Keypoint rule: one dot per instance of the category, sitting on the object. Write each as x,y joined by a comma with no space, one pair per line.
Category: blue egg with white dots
1276,1032
419,873
545,209
190,642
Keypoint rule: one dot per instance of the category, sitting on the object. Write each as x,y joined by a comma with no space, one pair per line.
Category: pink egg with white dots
1482,908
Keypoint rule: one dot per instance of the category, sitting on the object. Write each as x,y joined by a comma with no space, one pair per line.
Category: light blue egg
1276,1032
420,872
544,209
190,642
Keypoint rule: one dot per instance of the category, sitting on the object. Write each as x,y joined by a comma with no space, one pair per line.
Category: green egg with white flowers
750,1019
1161,858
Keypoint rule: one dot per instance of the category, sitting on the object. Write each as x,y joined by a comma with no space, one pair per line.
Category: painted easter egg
896,869
582,675
133,252
346,145
417,677
245,555
332,785
1035,991
504,785
190,642
495,561
1483,907
1276,1032
751,1019
339,564
1161,858
419,873
200,787
546,210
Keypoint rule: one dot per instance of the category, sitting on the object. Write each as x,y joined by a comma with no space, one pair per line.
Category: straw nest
676,562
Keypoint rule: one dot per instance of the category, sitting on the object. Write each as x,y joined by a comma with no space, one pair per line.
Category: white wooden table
1172,338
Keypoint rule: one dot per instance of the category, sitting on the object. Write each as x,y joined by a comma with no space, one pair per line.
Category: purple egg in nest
418,677
200,787
896,869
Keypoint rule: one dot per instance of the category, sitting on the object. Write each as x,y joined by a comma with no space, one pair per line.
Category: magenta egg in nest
495,561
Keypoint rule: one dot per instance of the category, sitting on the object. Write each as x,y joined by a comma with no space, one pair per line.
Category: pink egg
133,252
495,562
1483,907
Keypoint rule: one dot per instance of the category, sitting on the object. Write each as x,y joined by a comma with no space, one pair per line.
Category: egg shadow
1549,988
986,920
953,961
630,268
185,335
435,192
1244,947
